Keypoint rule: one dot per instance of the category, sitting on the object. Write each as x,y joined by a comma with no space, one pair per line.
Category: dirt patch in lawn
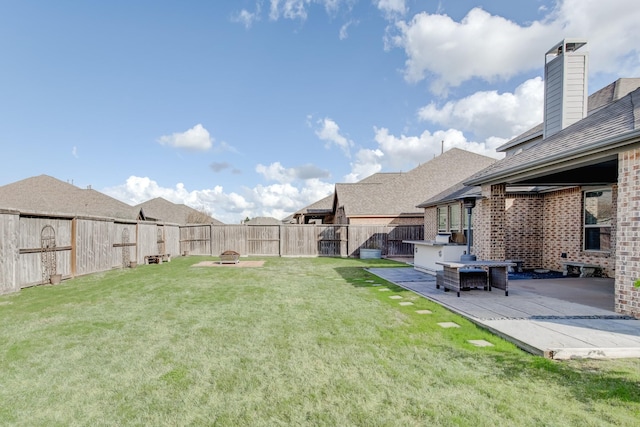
258,263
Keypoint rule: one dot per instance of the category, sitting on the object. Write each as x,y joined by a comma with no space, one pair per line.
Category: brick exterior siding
524,225
564,232
533,228
430,223
627,299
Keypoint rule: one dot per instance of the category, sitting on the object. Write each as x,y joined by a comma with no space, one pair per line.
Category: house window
454,217
598,210
442,218
449,218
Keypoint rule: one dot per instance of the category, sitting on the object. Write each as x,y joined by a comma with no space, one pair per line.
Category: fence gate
126,256
48,252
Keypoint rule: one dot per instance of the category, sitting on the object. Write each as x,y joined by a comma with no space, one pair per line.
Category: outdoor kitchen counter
498,274
427,252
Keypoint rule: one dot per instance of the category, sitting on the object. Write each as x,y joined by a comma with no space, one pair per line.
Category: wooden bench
157,259
584,269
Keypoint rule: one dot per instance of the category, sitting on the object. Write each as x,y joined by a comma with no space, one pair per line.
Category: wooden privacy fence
299,240
34,247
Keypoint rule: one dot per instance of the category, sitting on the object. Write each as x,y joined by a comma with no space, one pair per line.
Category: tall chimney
565,85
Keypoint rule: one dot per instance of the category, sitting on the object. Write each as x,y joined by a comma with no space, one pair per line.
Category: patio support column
497,223
627,250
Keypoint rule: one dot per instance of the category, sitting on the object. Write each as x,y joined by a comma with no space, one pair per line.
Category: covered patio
555,318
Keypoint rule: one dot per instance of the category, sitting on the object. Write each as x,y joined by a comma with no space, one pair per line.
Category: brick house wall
524,225
562,227
430,223
489,219
627,296
563,232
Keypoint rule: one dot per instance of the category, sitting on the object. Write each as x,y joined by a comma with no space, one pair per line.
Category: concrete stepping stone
384,289
448,325
480,343
395,297
423,311
406,303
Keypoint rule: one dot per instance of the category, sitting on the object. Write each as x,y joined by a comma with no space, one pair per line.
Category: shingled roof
44,194
263,220
596,101
598,135
160,209
401,195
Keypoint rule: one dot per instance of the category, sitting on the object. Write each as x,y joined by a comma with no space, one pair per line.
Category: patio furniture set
464,275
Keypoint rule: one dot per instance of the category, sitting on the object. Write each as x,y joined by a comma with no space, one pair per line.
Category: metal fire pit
229,257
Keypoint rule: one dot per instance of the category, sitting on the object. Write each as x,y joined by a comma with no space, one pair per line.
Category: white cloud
197,138
247,18
491,47
74,152
344,30
330,132
480,45
277,172
489,113
391,8
403,153
613,47
289,9
367,163
295,188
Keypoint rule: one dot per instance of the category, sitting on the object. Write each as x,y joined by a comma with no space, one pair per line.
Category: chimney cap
566,45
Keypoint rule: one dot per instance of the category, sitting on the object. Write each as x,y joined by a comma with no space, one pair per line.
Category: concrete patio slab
556,318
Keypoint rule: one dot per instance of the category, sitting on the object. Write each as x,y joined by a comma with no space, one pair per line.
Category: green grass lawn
309,341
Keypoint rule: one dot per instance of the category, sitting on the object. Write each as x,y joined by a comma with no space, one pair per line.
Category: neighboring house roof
596,101
596,137
455,192
324,205
160,209
47,195
379,178
263,220
401,195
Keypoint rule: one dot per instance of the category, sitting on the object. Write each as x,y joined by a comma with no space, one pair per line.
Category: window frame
598,225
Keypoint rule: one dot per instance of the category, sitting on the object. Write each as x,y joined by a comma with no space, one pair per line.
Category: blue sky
257,108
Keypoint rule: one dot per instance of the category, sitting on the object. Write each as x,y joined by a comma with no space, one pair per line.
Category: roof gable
160,209
45,194
401,195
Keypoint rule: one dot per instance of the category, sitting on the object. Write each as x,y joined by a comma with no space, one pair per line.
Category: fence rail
79,246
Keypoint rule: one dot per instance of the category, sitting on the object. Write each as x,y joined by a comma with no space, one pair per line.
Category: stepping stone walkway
448,325
480,343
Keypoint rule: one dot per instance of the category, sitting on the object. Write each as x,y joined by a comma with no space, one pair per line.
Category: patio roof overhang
596,164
